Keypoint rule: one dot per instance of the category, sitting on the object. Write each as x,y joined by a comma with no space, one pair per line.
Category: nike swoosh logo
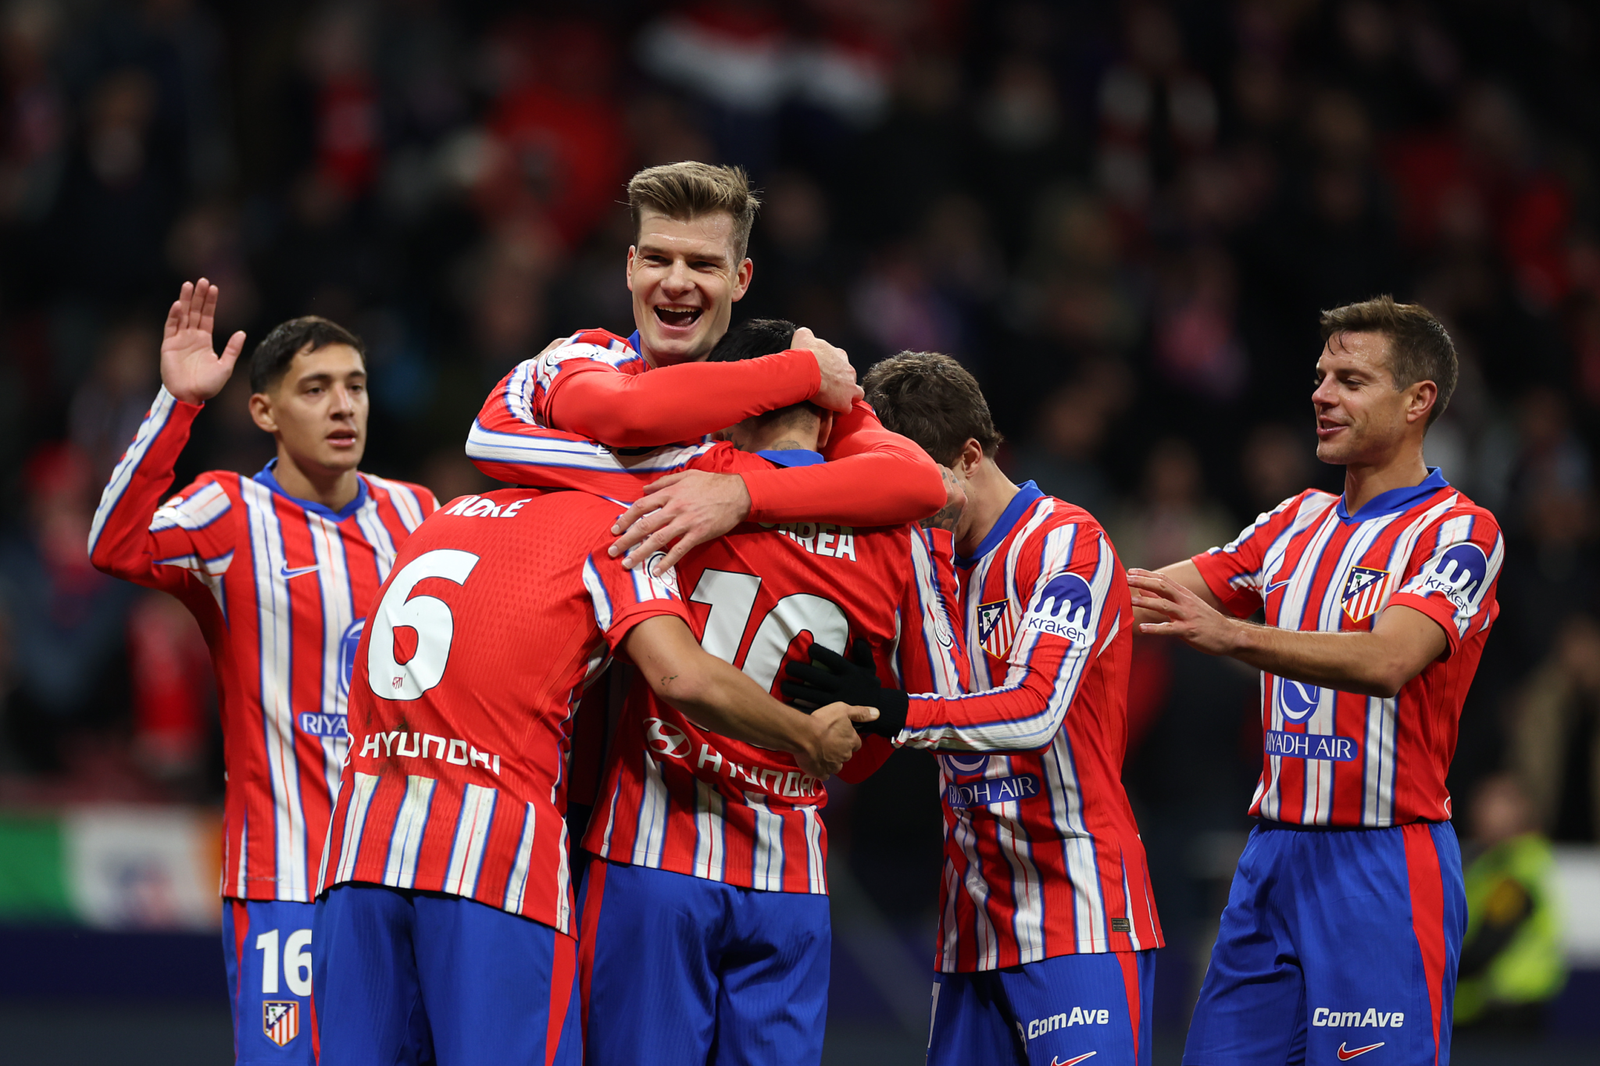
1070,1062
1345,1055
284,571
1274,587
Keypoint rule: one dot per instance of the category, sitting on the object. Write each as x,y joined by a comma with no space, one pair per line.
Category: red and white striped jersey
1337,758
500,610
1042,854
685,799
281,588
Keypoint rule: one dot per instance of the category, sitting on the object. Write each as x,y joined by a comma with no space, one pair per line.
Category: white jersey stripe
405,841
651,833
355,822
274,610
517,883
472,830
767,863
710,838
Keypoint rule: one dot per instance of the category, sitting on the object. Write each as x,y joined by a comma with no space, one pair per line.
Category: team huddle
725,571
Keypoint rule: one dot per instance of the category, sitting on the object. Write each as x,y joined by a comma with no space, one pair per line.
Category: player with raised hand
278,569
705,913
1344,924
447,928
686,269
1048,923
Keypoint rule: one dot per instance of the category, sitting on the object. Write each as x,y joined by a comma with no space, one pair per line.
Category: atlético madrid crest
997,624
1365,591
280,1020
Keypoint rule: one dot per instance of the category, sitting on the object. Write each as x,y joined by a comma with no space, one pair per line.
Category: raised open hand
190,367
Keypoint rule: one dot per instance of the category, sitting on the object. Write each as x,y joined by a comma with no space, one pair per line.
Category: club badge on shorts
1366,590
280,1020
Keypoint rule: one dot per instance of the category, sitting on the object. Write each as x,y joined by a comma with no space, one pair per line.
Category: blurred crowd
1123,217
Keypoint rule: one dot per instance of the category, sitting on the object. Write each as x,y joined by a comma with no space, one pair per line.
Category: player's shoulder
1049,516
384,487
597,348
1458,505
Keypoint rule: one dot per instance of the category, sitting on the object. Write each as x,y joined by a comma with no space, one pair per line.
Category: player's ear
971,455
741,278
1424,394
261,412
824,428
632,256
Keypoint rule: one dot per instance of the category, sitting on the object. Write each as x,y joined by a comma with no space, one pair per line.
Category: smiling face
318,409
685,281
1362,418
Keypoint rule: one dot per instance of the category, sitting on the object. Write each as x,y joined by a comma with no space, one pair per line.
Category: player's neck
1364,481
989,493
331,488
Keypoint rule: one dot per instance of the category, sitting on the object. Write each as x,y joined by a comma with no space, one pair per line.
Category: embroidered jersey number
429,616
732,599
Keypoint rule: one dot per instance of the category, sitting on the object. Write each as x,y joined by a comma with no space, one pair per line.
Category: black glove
831,678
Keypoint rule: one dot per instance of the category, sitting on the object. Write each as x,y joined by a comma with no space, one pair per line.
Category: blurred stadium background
1123,217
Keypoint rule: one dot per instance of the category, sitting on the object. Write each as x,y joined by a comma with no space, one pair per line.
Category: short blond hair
688,190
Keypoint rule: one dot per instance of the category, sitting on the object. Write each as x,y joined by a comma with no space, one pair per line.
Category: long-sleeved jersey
1337,758
280,587
501,608
1042,854
685,799
874,477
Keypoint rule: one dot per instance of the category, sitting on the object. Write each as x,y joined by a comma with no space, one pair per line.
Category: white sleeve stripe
154,422
1036,729
491,445
195,513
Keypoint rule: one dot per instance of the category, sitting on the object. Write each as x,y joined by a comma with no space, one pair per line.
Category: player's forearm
1021,717
1188,575
120,542
1363,663
678,403
874,489
718,697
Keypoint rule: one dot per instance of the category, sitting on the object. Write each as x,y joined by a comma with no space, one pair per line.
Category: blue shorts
679,970
1048,1013
1335,943
266,945
410,977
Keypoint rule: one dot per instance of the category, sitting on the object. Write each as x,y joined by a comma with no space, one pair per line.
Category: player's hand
679,512
835,739
190,369
837,390
830,677
1187,616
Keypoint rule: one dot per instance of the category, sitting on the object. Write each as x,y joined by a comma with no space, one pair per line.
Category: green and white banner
111,867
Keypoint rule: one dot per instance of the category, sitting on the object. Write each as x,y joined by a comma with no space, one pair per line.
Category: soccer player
705,911
1343,927
446,927
1048,924
686,269
278,569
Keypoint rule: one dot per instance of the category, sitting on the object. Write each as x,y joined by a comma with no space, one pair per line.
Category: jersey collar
1027,494
635,343
1396,500
791,456
269,479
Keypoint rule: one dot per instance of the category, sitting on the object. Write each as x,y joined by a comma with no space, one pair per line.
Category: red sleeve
873,478
177,546
675,403
1233,571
